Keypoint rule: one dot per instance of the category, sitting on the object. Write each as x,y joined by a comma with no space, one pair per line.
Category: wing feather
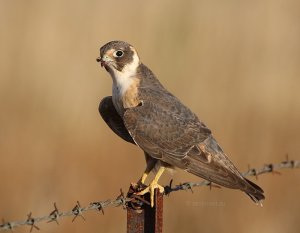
113,120
167,130
160,128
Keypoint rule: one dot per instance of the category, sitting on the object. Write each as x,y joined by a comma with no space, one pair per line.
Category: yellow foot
151,189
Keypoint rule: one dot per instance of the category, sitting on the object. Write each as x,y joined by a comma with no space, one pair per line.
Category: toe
161,189
141,193
152,197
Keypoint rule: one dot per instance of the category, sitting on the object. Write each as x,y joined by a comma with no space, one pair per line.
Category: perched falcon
141,111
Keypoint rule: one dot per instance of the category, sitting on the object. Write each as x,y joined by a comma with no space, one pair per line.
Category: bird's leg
144,177
149,168
153,185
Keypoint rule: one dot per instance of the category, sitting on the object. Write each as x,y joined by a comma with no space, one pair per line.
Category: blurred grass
235,63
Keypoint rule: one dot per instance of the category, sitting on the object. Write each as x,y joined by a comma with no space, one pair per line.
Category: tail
255,192
207,160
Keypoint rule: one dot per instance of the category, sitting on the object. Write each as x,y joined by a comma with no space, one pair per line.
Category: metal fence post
147,219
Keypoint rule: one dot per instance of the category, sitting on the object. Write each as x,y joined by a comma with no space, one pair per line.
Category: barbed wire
122,200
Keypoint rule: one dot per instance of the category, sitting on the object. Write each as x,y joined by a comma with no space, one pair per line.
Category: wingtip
257,198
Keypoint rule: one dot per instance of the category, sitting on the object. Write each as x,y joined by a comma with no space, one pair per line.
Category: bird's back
178,137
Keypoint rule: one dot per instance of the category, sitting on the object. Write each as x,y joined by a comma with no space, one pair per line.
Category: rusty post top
142,218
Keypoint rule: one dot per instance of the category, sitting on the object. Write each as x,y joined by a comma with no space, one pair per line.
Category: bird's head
119,58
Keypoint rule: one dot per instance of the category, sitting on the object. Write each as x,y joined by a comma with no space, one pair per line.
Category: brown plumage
143,112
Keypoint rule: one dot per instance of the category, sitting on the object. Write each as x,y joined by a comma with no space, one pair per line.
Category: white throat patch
124,85
122,80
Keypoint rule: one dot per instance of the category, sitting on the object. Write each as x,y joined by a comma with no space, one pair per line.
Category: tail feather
207,160
256,193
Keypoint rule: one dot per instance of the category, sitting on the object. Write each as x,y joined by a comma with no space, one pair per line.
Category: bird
143,112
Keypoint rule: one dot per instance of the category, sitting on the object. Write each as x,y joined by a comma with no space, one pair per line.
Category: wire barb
54,215
7,224
31,222
77,211
98,206
136,201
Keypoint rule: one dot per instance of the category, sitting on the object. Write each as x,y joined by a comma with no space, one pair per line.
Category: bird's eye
118,53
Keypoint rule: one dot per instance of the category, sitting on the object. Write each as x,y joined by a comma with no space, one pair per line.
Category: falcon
143,112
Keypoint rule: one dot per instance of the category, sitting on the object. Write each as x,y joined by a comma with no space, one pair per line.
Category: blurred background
236,64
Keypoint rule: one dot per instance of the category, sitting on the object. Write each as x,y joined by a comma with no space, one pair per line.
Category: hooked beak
99,59
105,61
